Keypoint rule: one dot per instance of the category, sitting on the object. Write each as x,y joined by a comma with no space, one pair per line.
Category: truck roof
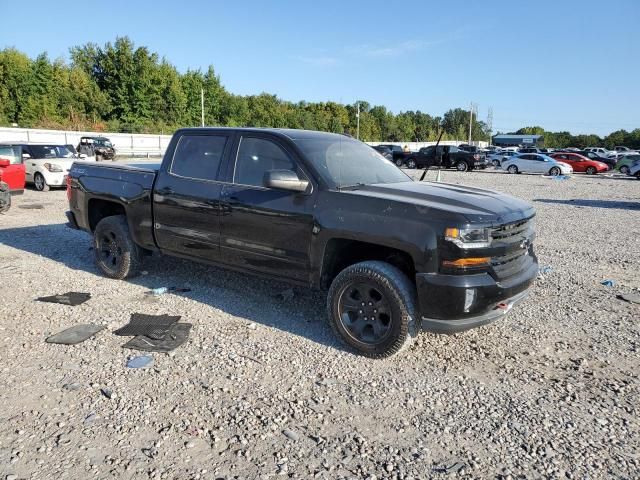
291,133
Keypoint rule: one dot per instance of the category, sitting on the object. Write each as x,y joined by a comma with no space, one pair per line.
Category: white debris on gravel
263,388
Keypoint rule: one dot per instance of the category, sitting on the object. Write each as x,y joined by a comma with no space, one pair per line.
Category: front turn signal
467,262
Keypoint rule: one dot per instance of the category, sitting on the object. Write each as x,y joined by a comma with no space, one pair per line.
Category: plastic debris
69,298
608,283
143,361
545,269
156,292
450,468
75,334
629,297
291,435
557,177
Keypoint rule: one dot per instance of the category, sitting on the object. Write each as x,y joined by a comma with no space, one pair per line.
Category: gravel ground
262,388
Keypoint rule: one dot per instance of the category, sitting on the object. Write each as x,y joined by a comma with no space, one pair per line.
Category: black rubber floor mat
69,298
176,336
75,334
152,326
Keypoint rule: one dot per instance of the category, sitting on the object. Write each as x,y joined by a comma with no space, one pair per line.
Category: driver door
265,230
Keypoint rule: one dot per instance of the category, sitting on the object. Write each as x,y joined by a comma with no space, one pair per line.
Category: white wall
136,144
126,144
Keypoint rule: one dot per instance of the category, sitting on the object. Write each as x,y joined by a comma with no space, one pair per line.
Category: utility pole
202,106
358,121
470,121
490,123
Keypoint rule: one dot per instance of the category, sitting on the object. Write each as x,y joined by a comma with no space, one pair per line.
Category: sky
563,64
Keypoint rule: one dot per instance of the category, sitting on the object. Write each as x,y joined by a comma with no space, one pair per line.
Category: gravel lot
262,388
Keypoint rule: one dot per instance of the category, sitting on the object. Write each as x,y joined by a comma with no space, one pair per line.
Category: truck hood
475,204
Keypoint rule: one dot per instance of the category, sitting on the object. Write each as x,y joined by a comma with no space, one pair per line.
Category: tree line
123,88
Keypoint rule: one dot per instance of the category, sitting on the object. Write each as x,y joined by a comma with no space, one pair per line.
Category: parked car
625,162
46,165
399,155
99,147
12,169
497,158
580,163
446,156
634,169
322,211
599,150
621,148
529,150
609,161
535,163
384,151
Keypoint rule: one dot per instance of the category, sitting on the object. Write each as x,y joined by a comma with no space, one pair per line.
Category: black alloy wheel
365,313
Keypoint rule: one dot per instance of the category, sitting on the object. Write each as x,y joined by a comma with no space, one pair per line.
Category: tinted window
49,151
198,156
257,156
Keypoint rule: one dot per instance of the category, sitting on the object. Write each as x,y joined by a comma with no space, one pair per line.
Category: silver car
535,163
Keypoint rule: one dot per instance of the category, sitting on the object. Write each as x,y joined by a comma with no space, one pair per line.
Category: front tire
554,171
411,163
371,307
591,171
512,169
399,162
624,169
40,183
116,253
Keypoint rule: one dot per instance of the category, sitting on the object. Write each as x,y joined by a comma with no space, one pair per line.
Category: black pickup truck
446,156
318,210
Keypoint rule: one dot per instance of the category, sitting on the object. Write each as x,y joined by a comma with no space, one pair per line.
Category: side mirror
26,156
4,162
82,155
284,180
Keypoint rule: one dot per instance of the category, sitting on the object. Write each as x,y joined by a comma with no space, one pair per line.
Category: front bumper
455,303
56,179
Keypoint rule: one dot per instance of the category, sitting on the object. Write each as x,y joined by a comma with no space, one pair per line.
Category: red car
12,175
580,163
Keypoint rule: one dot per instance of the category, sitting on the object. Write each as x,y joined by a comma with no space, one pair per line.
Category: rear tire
116,253
512,169
399,162
98,157
371,307
591,171
462,166
40,183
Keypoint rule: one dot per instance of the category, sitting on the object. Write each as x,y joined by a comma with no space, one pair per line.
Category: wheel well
99,209
340,253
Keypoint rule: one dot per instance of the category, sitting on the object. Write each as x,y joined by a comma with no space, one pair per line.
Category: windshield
10,153
102,142
344,162
50,151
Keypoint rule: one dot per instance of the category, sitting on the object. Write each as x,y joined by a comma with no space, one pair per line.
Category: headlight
469,237
52,167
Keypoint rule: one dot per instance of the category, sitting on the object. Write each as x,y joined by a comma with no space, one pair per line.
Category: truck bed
130,185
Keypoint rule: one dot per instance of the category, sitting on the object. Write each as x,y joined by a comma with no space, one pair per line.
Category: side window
257,156
198,156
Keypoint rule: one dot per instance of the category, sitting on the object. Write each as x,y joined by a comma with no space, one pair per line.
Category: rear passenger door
266,230
187,196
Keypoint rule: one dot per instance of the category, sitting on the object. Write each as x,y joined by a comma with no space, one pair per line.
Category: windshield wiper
355,186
